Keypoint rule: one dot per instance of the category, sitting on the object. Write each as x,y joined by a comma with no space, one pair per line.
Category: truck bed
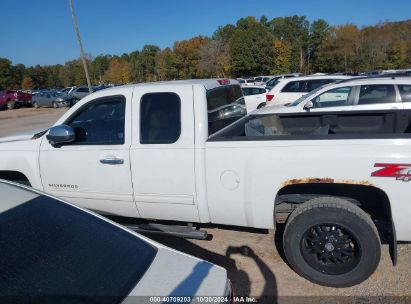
325,125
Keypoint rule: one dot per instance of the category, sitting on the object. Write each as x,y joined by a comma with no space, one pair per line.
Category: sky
41,31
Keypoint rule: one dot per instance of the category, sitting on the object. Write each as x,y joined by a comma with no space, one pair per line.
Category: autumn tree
27,83
187,57
165,63
118,71
282,51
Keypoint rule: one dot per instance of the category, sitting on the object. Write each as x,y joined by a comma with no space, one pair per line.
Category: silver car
80,92
52,249
48,98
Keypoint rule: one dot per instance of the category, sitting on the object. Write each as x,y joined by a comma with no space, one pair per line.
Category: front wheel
55,105
332,242
11,105
35,104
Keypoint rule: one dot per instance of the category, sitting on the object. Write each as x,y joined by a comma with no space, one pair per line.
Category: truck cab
142,148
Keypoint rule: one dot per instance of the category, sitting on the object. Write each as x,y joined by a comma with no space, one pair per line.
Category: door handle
112,161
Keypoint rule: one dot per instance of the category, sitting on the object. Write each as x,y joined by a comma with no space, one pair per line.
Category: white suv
356,94
254,97
289,89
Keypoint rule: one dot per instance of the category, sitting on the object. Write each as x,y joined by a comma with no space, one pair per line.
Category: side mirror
308,105
60,135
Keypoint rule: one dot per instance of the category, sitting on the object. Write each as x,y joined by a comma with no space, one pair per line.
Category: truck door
94,170
162,152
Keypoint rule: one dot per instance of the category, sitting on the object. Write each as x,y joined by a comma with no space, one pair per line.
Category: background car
51,248
12,99
273,81
254,97
262,80
55,99
80,92
67,90
290,89
373,93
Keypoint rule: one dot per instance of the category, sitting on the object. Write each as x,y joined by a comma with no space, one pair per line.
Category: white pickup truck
186,151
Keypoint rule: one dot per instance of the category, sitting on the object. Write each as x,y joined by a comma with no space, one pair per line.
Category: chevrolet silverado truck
186,151
11,99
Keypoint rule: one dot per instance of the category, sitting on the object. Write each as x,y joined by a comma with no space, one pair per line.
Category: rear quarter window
225,104
405,91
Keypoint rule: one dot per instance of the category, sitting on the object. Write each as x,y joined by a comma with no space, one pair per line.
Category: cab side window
376,93
160,118
101,123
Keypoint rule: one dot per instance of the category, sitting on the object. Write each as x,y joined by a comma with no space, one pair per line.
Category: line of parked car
318,92
56,98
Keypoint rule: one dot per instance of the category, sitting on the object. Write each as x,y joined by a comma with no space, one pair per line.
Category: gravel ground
255,266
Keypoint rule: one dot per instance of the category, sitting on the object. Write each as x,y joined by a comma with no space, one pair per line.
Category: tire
36,105
11,105
55,105
332,242
261,105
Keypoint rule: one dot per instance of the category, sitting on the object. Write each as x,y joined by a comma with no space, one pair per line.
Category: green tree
320,31
8,75
294,30
251,48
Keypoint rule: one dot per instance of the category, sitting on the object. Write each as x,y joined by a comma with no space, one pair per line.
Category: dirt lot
25,119
254,264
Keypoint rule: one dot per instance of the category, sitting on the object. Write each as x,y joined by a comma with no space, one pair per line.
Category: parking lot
252,257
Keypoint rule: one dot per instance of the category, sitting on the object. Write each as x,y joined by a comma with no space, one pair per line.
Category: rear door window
405,91
376,93
294,87
160,118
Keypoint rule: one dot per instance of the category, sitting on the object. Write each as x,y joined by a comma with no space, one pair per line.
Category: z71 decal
399,171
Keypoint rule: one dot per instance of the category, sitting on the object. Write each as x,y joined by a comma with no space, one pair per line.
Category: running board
188,232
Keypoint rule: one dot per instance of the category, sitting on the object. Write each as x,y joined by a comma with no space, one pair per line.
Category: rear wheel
261,105
332,242
36,105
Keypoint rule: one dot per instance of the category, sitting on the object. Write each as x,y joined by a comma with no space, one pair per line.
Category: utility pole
83,58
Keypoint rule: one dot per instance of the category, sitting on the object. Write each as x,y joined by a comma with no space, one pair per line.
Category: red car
11,99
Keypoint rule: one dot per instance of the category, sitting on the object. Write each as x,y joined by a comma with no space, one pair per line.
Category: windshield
58,94
49,248
272,82
304,97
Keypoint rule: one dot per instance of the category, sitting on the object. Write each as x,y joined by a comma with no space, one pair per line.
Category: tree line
250,47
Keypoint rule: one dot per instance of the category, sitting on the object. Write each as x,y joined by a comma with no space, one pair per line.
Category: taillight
269,97
223,81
